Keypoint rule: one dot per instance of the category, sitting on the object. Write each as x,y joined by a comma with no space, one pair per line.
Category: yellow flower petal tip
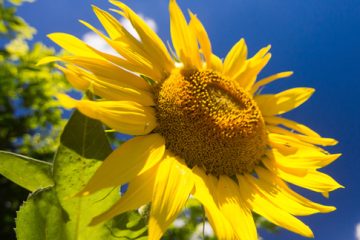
47,60
309,91
331,209
198,120
325,194
310,235
51,35
55,37
66,101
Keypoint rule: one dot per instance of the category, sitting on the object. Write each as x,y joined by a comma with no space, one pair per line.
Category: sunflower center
210,122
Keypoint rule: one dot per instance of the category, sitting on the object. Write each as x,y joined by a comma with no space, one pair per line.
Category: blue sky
318,39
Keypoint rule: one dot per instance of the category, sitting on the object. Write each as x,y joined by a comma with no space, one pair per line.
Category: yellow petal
202,36
150,41
74,79
291,125
109,71
66,101
247,77
310,139
124,116
235,59
295,149
287,144
127,46
127,52
303,159
216,63
124,63
118,33
73,45
107,88
137,63
268,210
131,159
205,192
310,179
183,38
268,80
235,209
113,27
261,53
76,47
48,59
122,93
284,101
139,193
325,195
173,185
287,192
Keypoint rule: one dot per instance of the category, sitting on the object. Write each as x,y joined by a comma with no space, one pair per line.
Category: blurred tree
30,120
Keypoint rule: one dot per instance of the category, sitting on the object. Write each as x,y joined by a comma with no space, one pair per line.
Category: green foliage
27,90
41,217
27,104
85,140
11,25
55,212
17,168
130,225
30,120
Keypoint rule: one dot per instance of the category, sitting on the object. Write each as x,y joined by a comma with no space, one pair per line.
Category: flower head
201,128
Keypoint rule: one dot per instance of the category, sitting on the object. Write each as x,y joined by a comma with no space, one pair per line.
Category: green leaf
86,137
41,217
27,172
130,225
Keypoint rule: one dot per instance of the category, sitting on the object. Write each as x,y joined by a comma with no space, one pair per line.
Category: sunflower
201,128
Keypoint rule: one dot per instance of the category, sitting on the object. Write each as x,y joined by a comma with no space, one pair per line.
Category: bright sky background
318,39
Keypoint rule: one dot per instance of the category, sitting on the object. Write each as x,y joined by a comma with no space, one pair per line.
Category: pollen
210,122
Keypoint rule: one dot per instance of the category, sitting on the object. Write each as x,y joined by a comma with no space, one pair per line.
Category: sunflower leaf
130,225
86,137
27,172
41,217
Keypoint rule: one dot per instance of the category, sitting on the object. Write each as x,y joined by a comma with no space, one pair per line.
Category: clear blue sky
318,39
